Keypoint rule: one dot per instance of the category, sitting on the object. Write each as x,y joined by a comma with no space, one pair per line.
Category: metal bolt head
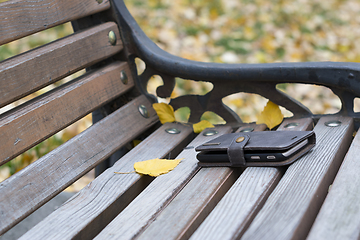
123,77
210,132
112,37
143,111
333,123
247,129
172,131
239,139
291,125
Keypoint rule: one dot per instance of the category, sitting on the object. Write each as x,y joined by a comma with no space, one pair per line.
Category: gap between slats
292,207
32,122
96,205
30,71
30,188
20,18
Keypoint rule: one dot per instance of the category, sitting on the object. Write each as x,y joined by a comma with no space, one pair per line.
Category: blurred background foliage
227,31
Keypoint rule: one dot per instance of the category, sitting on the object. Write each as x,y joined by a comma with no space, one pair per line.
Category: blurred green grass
228,31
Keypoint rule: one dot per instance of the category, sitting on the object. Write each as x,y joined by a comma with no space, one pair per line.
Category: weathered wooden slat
339,217
150,202
97,204
55,61
190,207
292,207
20,18
32,122
28,189
235,211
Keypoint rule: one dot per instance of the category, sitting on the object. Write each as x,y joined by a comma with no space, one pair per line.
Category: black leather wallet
268,148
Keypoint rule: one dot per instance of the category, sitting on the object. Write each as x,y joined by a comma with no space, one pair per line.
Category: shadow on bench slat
30,188
28,72
339,216
47,114
22,18
292,207
88,212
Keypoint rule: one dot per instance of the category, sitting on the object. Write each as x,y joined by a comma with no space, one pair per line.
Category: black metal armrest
341,77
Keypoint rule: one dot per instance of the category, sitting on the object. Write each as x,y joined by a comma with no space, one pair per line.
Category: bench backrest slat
20,18
28,72
47,114
52,173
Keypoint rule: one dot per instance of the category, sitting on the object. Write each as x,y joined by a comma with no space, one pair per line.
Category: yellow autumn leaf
271,115
200,126
155,167
165,112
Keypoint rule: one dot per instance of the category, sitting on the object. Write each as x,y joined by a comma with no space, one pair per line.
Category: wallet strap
236,150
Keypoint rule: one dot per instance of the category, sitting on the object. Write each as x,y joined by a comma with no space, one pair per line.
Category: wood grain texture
292,207
20,18
38,119
191,206
28,189
150,202
28,72
234,213
339,217
84,215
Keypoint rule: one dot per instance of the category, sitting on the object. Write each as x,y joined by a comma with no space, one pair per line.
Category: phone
252,156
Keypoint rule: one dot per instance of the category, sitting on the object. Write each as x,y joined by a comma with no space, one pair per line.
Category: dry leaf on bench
271,115
200,126
155,167
165,112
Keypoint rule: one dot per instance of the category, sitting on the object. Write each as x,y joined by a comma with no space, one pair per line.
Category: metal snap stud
143,111
247,130
291,125
112,37
172,131
239,139
210,132
123,77
333,123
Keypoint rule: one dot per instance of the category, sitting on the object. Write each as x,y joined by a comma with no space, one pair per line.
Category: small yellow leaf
271,115
165,112
200,126
155,167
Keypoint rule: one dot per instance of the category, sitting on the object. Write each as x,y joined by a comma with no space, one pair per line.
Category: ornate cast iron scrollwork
342,78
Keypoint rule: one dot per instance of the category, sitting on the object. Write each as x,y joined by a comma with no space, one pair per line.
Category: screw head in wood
112,37
247,129
143,111
172,131
291,125
333,123
210,132
123,77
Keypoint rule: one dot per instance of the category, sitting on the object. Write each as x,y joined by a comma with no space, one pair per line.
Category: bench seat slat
190,207
339,217
89,211
235,211
292,207
20,18
28,189
49,113
55,61
150,202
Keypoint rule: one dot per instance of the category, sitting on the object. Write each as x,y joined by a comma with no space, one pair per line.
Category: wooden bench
294,202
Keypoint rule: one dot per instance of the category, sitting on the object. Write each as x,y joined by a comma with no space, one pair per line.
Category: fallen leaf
155,167
200,126
165,112
271,115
